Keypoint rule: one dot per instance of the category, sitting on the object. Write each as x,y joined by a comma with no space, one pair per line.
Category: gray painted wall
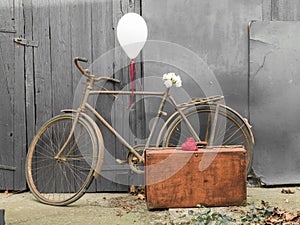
274,104
216,31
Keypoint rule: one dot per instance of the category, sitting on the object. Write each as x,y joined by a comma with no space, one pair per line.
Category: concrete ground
123,209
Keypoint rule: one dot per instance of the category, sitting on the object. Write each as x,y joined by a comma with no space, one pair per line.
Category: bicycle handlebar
85,71
82,59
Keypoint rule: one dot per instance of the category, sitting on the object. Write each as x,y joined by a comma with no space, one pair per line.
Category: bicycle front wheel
230,129
64,179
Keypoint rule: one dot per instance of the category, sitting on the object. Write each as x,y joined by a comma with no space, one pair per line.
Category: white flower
172,75
175,78
172,78
167,76
178,83
168,83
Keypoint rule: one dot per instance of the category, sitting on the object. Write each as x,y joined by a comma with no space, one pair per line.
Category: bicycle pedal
120,161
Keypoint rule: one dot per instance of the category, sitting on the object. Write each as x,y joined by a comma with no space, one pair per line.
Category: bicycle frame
85,105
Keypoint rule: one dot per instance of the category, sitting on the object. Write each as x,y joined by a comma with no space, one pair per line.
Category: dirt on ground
125,208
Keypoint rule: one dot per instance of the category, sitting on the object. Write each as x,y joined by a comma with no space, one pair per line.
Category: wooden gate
12,93
38,78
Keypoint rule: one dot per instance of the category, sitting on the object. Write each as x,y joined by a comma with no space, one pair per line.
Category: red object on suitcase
189,145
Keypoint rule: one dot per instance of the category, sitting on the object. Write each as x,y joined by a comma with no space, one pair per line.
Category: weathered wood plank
7,97
42,79
42,89
122,115
29,73
61,61
80,21
19,117
7,14
102,44
6,116
81,36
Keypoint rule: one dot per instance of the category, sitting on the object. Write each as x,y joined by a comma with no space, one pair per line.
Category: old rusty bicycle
67,152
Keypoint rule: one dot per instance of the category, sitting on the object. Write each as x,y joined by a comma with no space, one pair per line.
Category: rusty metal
25,42
198,101
187,123
213,130
100,156
162,103
121,139
246,123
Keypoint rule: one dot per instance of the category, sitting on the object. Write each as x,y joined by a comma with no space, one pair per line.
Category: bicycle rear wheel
63,180
230,129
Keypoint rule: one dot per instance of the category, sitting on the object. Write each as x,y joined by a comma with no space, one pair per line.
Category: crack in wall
253,75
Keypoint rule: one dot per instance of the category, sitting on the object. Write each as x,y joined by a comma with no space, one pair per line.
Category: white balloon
132,34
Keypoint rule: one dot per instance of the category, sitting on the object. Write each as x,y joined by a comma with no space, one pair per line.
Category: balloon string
132,67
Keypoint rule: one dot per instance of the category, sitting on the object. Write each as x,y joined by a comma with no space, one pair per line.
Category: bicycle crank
135,164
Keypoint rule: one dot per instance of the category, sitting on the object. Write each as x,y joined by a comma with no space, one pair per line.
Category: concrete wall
217,31
274,103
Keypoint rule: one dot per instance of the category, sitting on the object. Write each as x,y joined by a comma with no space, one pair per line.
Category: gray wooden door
12,94
38,81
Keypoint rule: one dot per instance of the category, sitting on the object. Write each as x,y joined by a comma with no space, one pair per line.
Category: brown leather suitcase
210,177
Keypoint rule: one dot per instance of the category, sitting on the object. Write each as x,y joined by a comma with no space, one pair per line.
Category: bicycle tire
235,132
61,182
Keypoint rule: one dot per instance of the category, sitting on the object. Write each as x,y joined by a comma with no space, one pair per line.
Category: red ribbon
132,67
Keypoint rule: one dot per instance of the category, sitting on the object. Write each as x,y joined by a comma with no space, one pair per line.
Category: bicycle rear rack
199,101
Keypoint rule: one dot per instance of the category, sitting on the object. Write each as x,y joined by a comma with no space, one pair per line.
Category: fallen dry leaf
119,213
136,190
287,191
289,216
264,203
283,217
128,208
132,190
141,190
141,197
